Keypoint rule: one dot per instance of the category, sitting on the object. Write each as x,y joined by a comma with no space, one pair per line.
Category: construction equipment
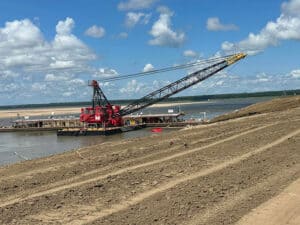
104,114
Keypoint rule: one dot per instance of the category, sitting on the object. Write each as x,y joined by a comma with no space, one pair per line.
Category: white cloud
58,64
8,88
220,83
20,34
95,31
123,35
162,32
132,88
65,27
225,82
286,27
291,8
214,24
54,77
136,4
77,82
148,67
105,84
38,87
105,73
164,10
190,53
133,19
295,73
27,60
262,77
6,74
68,93
23,47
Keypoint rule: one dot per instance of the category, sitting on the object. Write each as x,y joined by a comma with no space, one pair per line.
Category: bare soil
275,105
282,209
210,174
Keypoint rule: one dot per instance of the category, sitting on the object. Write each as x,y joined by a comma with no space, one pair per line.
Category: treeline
172,99
235,95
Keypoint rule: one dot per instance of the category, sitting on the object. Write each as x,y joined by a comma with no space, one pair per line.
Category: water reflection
18,146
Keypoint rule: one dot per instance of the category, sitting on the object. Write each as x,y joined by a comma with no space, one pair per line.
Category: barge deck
96,131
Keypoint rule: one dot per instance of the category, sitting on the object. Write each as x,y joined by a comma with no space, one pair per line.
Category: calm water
17,146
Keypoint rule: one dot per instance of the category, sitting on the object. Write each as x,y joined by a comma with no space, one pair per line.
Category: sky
50,49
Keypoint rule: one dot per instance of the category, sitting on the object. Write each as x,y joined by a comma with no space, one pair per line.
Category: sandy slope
211,174
275,105
282,209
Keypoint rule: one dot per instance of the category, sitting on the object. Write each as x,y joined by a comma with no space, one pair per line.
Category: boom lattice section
179,85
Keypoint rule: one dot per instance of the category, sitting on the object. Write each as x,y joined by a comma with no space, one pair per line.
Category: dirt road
211,174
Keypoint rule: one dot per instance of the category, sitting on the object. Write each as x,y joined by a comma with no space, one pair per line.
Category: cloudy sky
50,49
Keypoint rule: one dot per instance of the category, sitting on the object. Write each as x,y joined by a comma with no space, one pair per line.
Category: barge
71,126
50,123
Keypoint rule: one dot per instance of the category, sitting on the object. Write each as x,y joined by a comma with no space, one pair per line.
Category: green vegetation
174,99
237,95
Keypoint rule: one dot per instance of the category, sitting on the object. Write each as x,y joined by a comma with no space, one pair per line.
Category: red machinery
104,114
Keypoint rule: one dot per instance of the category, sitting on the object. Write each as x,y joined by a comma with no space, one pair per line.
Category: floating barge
160,120
73,127
51,123
166,118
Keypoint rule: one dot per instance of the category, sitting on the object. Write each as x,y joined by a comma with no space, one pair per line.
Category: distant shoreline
181,99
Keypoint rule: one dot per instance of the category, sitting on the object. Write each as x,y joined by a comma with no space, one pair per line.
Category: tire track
141,197
282,209
242,196
127,169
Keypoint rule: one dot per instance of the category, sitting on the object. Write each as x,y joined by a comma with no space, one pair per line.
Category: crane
103,113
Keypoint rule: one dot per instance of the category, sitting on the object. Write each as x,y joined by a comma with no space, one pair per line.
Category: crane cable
167,69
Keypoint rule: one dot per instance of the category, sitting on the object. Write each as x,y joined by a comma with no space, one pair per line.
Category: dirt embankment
210,174
275,105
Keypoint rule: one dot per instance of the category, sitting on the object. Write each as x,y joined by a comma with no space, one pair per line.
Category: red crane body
101,113
101,116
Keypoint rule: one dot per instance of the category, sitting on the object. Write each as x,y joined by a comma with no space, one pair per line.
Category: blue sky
49,49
